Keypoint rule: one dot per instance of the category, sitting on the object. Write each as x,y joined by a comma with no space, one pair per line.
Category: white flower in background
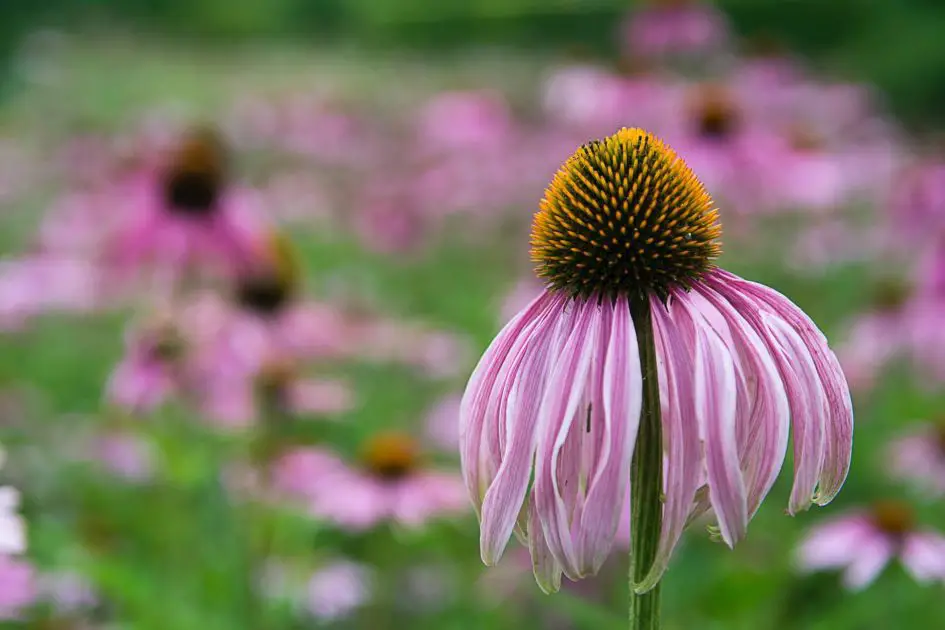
12,525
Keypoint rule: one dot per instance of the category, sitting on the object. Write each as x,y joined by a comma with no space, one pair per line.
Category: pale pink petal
559,408
675,338
768,418
320,396
425,495
923,555
835,543
17,586
503,501
809,424
622,394
478,463
806,397
715,400
839,424
871,557
545,566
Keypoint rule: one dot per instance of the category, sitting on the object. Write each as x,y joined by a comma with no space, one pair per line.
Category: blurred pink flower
151,370
521,294
17,586
391,485
125,455
919,457
436,353
917,201
666,28
864,542
172,243
68,592
465,121
337,589
442,422
45,284
873,341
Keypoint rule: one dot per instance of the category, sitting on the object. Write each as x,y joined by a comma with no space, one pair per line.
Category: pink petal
923,555
839,426
808,409
526,376
871,557
478,465
835,543
622,394
715,400
560,405
675,338
768,417
806,397
546,567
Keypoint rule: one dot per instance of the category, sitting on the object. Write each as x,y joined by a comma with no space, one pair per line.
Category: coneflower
641,350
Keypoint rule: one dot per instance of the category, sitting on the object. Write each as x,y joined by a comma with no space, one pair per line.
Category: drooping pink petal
622,397
806,397
564,394
839,427
477,473
545,566
809,413
769,415
715,400
504,499
675,347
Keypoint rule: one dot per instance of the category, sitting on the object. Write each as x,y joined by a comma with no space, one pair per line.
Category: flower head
626,239
864,542
390,484
624,215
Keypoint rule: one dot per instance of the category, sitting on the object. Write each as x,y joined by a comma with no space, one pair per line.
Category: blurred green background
896,45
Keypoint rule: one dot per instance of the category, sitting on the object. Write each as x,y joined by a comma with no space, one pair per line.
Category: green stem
646,478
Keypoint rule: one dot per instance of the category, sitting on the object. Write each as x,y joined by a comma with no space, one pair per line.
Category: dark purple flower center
264,294
194,177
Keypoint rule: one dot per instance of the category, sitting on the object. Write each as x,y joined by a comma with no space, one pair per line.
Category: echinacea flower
675,27
391,484
333,591
151,370
625,239
17,586
864,542
185,218
919,457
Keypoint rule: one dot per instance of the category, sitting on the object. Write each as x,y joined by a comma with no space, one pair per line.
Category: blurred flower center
265,294
391,455
166,344
272,382
805,138
624,215
893,517
268,288
889,295
194,177
715,114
